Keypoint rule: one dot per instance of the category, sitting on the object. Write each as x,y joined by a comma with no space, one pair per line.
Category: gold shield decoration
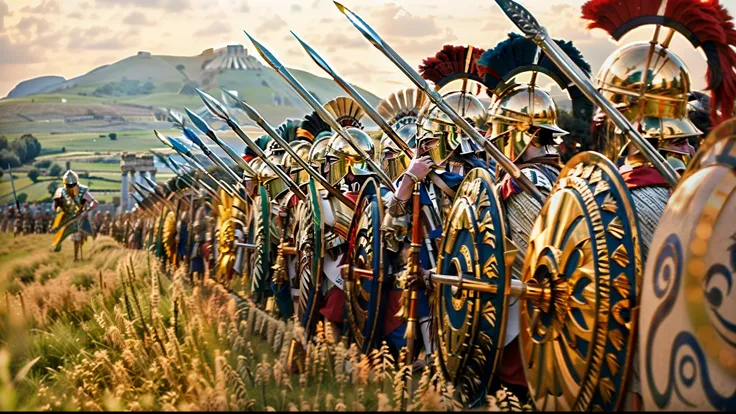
230,215
169,236
471,324
365,267
687,332
260,258
584,247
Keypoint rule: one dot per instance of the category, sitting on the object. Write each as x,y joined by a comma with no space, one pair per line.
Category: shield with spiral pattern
687,329
309,252
260,257
471,324
584,252
364,267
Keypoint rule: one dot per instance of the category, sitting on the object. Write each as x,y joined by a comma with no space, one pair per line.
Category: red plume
706,23
449,64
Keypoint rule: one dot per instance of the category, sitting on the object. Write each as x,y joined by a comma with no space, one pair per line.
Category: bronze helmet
521,116
401,111
341,159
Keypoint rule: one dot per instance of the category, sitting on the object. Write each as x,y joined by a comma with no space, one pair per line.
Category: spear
438,100
202,126
369,110
217,109
12,185
192,136
189,157
528,25
257,118
203,183
321,111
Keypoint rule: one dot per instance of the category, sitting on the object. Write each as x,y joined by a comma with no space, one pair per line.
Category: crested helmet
342,162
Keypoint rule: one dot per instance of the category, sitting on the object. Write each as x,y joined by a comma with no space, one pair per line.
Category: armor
72,202
343,164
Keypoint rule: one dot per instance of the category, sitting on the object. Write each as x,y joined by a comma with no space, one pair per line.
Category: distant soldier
72,204
48,218
27,220
3,220
38,222
96,223
199,229
117,229
182,238
106,223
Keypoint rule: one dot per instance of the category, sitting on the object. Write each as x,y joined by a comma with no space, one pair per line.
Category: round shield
584,255
471,324
260,258
687,332
230,214
169,236
365,267
309,253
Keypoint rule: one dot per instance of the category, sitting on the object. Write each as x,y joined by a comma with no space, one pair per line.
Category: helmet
297,173
71,183
341,159
317,153
658,108
520,116
70,178
401,110
438,134
269,177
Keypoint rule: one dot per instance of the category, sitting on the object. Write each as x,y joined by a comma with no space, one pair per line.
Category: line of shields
585,292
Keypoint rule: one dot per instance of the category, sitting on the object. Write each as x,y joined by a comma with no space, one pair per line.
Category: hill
138,88
35,85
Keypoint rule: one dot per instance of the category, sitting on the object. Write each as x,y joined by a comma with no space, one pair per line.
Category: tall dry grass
116,333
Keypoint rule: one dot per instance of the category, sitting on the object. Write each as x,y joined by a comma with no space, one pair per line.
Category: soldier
443,149
199,230
3,220
18,223
72,204
182,238
48,218
106,224
118,229
38,222
27,223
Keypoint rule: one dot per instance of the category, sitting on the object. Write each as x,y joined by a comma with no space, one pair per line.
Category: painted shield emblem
687,332
260,258
309,252
471,324
576,340
230,215
365,267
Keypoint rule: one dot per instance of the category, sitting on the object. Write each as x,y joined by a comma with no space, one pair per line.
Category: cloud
18,53
215,28
244,7
271,24
3,12
46,6
395,21
137,18
97,38
75,15
172,6
296,8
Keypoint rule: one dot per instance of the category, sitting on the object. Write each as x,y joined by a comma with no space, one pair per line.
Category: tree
43,164
33,175
113,136
63,150
3,142
52,187
22,197
8,159
55,170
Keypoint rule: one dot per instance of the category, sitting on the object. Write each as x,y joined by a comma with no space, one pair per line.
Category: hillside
138,88
35,85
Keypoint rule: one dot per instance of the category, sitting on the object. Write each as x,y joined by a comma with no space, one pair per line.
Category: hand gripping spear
218,110
257,118
435,97
372,113
321,111
538,34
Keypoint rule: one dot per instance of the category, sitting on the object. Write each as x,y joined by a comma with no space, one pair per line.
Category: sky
71,37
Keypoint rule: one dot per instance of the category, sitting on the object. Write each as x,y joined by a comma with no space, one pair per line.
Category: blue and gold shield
687,330
471,324
584,252
364,267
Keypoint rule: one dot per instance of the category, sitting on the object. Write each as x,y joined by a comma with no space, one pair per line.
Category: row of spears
600,284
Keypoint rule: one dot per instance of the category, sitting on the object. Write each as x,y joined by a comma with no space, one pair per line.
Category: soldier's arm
91,201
